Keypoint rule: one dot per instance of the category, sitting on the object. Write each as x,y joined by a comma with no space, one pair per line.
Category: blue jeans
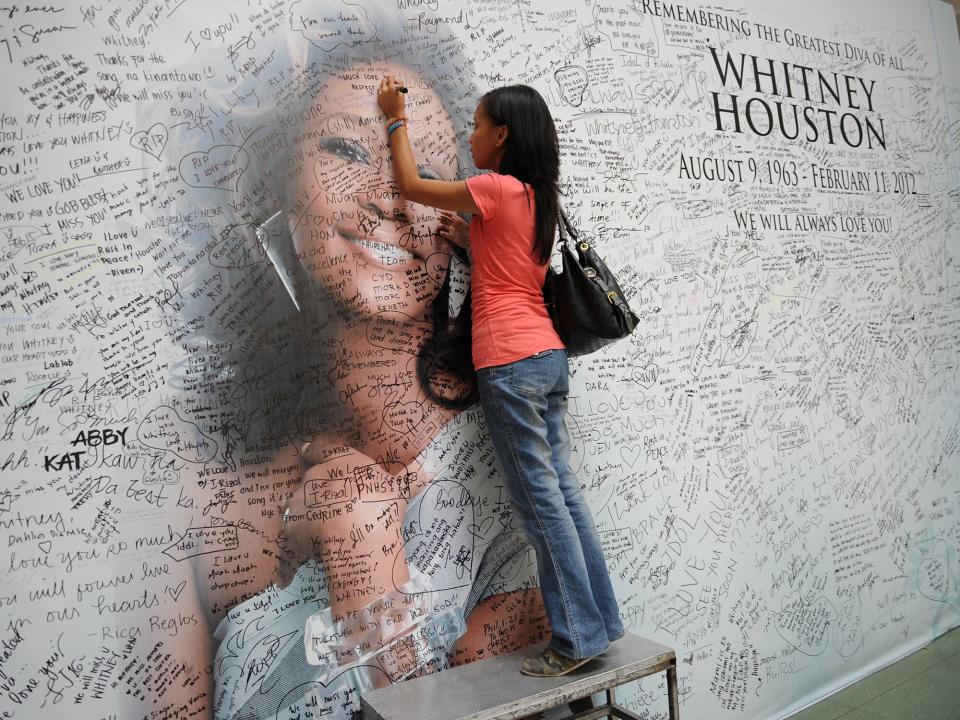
525,405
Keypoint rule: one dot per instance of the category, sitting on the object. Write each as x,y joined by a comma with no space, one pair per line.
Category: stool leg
672,691
611,701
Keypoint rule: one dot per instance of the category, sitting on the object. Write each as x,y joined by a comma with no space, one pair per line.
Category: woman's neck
374,399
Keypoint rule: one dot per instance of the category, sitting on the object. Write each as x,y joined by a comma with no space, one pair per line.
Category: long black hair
531,154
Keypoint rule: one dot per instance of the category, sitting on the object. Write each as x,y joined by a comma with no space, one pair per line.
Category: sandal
550,663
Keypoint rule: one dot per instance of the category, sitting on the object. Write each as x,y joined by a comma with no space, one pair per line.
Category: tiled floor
922,686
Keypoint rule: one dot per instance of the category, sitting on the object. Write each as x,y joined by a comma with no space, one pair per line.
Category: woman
520,361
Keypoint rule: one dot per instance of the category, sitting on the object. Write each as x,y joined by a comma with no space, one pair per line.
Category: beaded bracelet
395,126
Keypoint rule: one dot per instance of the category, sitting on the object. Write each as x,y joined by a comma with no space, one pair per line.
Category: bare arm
442,194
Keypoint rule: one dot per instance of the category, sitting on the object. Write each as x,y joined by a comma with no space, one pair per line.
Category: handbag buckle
612,297
589,272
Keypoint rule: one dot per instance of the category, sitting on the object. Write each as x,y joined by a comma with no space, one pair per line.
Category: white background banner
773,457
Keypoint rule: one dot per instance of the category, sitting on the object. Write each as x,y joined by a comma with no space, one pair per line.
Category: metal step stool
494,689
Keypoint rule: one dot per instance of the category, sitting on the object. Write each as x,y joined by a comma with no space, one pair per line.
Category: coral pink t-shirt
510,319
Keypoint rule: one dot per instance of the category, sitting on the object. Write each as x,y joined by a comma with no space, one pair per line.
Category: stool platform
494,689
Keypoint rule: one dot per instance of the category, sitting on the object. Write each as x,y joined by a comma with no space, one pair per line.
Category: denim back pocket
534,376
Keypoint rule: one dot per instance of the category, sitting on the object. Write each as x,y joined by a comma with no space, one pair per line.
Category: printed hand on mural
347,507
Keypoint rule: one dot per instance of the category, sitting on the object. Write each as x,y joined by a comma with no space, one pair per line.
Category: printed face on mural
357,238
376,264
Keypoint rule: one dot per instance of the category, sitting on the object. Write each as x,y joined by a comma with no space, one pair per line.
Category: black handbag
585,301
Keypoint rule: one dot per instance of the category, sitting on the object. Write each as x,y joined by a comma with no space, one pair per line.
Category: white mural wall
242,474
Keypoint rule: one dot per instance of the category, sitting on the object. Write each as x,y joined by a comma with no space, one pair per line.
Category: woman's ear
502,132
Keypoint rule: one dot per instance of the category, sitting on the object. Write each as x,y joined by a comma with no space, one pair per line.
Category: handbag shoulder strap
565,228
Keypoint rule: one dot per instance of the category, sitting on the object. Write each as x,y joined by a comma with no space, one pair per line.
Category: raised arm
442,194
